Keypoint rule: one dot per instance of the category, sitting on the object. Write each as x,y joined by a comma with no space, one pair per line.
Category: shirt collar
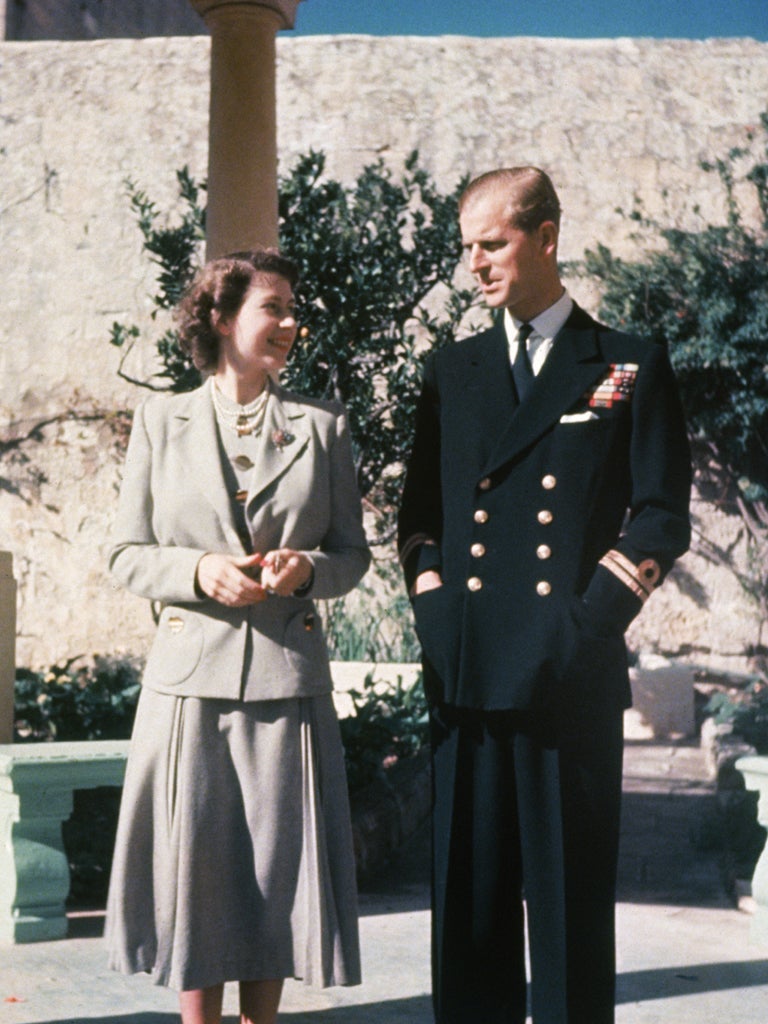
546,324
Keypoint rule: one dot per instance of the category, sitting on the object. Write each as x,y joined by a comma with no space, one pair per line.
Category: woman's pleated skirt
233,859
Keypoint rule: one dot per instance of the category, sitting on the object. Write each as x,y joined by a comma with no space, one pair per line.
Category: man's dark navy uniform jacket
551,521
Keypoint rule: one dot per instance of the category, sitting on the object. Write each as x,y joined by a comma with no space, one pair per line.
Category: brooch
280,438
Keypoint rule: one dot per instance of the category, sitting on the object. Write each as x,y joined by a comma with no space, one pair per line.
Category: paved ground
685,955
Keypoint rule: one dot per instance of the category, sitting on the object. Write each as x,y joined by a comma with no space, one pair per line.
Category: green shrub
95,701
374,623
703,292
390,722
746,710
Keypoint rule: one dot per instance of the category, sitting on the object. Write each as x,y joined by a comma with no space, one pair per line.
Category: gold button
543,551
545,517
485,484
475,583
548,482
477,550
543,588
481,516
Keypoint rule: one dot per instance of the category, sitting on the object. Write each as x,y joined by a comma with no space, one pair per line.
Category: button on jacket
578,500
175,506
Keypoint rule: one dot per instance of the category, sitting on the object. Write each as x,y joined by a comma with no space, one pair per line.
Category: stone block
722,750
662,700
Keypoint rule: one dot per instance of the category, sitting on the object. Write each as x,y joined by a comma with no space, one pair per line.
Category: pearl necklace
242,419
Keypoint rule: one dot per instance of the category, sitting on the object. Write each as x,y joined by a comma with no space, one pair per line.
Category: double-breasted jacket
550,520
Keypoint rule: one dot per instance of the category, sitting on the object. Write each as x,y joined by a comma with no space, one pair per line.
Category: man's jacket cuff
618,590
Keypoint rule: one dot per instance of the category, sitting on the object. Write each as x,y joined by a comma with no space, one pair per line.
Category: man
545,499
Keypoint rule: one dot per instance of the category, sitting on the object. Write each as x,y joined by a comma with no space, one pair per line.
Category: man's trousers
524,827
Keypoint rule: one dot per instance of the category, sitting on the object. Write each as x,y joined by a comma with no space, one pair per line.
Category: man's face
512,267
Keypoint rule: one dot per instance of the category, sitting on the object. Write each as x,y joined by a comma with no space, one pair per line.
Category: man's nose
477,258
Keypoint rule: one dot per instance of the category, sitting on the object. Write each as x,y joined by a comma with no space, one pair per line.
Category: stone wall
609,120
96,19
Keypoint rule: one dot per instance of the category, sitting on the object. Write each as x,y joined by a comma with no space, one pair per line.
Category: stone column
7,645
242,133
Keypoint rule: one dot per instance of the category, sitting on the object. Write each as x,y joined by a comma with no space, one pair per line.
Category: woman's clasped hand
236,582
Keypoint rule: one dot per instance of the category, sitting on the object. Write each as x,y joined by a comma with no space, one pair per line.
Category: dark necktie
522,371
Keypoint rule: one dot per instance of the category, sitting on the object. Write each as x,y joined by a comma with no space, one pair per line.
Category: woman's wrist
303,589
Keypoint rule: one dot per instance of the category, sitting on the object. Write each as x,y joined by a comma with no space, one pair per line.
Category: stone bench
37,781
755,771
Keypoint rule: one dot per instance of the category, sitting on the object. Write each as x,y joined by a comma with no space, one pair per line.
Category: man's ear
548,234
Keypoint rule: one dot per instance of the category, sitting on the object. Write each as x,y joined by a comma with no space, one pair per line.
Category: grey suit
175,506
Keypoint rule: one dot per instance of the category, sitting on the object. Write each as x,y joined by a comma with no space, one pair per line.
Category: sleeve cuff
619,589
305,588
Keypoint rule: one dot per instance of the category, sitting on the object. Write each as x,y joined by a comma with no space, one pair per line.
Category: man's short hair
532,196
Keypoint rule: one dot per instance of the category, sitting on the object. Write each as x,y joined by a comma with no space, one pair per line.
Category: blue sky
574,19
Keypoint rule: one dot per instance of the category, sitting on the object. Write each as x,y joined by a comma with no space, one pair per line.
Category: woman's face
257,339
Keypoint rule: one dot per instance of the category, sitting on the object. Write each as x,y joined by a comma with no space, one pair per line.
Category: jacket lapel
198,441
283,439
483,399
573,365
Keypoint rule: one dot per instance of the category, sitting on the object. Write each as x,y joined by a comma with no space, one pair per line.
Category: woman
239,505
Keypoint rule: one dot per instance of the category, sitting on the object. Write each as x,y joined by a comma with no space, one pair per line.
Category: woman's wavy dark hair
217,293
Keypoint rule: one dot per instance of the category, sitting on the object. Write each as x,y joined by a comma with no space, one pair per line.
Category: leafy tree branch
704,294
377,262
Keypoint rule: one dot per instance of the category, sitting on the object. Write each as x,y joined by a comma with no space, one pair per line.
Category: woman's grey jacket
175,506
